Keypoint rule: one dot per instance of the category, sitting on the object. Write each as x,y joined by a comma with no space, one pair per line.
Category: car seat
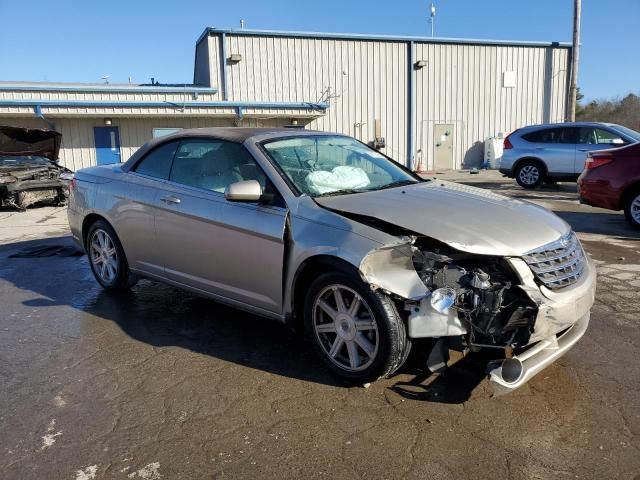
218,170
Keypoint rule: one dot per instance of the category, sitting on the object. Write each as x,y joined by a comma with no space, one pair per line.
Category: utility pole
432,18
575,57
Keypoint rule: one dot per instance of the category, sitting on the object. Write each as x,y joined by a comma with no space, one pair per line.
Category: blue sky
68,40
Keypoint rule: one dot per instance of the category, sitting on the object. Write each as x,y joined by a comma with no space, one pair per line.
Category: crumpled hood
30,142
466,218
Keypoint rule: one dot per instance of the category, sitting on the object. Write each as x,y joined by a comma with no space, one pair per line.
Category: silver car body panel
248,238
466,218
391,268
249,255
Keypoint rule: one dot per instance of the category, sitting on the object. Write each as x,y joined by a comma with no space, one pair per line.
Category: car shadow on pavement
612,225
454,385
567,191
161,315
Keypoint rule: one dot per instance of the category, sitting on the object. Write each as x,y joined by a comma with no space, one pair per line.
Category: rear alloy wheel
632,209
529,174
357,332
107,259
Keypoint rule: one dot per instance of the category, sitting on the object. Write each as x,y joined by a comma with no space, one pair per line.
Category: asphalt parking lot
159,383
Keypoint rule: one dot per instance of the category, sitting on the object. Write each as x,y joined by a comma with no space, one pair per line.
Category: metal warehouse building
428,101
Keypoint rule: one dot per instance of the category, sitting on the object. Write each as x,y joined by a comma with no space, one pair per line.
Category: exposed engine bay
483,290
29,172
460,294
27,184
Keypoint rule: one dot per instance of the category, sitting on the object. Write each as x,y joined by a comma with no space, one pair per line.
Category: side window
570,135
600,136
213,165
587,135
157,163
607,137
541,136
551,135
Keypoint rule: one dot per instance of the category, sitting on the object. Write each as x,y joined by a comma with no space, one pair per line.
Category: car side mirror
246,191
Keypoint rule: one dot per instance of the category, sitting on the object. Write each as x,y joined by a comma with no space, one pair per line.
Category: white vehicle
558,152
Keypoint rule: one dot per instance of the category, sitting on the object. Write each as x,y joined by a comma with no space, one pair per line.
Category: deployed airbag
340,178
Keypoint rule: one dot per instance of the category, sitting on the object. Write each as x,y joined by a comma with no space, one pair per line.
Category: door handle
585,149
169,199
539,148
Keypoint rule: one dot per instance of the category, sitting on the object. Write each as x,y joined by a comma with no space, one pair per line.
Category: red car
611,179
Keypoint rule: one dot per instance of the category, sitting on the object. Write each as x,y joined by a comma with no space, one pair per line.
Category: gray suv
555,152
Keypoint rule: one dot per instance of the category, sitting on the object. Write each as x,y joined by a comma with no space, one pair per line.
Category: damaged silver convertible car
321,231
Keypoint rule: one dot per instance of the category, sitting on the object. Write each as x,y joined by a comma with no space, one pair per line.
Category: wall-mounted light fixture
294,124
420,64
234,58
107,121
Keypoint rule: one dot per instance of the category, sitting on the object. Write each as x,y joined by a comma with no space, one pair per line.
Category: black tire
392,346
122,277
632,208
529,174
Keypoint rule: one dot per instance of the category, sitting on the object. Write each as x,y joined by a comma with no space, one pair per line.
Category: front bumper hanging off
506,376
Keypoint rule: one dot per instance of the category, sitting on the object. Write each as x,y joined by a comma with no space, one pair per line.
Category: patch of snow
148,472
88,473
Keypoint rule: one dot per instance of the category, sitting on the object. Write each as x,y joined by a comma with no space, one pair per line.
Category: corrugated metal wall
362,80
206,69
367,80
78,145
462,85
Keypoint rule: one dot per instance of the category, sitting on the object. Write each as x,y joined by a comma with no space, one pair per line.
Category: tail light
507,143
72,184
595,160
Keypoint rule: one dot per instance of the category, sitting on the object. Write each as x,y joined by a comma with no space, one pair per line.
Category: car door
136,216
556,147
229,249
592,139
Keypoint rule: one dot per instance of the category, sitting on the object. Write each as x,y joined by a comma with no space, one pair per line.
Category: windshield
628,132
11,160
335,165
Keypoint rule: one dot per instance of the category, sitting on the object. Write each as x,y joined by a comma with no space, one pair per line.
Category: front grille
557,264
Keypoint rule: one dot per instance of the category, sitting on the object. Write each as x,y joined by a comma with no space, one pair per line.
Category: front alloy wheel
357,332
345,328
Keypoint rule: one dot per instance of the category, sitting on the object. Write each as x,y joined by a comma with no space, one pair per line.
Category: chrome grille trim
557,264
